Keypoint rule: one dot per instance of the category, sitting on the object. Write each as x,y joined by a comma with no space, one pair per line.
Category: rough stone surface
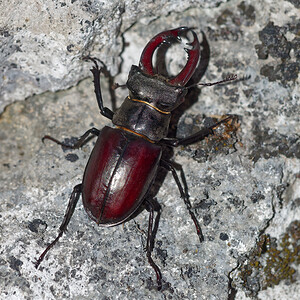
42,43
243,185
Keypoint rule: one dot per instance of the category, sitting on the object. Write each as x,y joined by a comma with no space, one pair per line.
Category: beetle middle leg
63,227
81,141
196,137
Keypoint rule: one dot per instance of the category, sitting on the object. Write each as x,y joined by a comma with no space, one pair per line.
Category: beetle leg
81,141
150,243
105,111
185,196
196,137
63,227
157,208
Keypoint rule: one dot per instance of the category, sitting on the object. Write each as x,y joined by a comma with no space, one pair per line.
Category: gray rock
240,188
42,43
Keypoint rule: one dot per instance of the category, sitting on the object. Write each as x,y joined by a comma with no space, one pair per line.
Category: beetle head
166,37
145,84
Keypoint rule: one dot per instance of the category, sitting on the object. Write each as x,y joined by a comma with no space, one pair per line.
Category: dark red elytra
123,177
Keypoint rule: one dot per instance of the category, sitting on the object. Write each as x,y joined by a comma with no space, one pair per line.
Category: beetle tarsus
63,227
42,256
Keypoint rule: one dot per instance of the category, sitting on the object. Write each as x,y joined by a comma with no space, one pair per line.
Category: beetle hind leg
150,241
185,196
63,227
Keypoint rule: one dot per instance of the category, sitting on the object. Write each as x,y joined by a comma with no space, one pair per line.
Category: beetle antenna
228,78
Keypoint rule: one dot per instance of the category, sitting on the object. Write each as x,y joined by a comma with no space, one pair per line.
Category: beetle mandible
124,161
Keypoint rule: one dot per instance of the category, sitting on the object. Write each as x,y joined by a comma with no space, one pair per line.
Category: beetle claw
195,39
193,58
166,37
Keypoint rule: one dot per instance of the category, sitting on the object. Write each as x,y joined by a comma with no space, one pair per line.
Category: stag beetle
124,161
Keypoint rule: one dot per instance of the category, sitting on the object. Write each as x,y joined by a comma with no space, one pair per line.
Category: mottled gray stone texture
244,182
42,42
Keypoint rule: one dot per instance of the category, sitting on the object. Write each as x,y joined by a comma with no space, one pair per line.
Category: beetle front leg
63,227
196,137
81,141
105,111
184,195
